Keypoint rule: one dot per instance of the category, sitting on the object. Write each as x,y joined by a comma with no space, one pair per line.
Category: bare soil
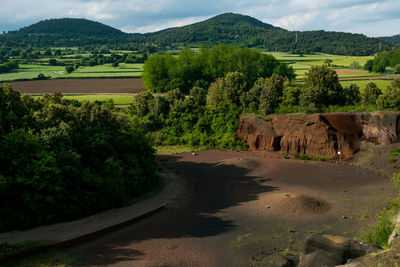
241,209
349,71
80,86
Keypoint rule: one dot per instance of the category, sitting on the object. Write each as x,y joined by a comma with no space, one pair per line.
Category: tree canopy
164,72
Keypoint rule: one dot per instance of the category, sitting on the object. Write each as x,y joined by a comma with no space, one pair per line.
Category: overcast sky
372,18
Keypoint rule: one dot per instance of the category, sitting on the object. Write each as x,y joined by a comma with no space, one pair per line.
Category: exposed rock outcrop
327,250
319,134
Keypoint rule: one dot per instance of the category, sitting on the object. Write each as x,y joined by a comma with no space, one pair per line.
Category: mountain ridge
228,28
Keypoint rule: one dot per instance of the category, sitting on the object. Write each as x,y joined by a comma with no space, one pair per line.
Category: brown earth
349,71
242,209
80,86
319,134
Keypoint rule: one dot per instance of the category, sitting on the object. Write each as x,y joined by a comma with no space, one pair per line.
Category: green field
382,84
301,64
26,72
118,99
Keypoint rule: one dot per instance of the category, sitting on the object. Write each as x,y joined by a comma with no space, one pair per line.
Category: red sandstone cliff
319,134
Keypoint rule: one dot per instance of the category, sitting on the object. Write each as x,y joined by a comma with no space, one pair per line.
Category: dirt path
240,209
80,86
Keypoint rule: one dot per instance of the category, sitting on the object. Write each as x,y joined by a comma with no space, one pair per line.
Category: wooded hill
226,28
393,40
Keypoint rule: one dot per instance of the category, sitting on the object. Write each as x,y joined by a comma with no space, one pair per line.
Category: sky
372,18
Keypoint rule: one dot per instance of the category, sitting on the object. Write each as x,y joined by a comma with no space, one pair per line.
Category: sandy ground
80,86
239,209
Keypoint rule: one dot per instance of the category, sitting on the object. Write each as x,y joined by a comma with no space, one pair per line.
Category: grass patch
166,150
118,99
382,84
28,72
379,234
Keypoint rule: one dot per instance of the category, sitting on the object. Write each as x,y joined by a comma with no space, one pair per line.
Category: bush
69,69
370,94
397,69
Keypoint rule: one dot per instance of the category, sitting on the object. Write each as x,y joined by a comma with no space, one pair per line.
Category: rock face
319,134
327,250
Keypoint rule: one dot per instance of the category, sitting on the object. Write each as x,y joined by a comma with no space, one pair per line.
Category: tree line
164,72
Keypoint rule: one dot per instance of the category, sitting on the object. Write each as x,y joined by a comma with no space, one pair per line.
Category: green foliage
370,94
228,91
69,69
397,69
164,72
385,59
354,65
395,152
271,93
61,160
380,233
390,99
351,95
321,88
392,160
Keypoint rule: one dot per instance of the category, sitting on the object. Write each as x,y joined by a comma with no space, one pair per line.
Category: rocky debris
327,250
319,134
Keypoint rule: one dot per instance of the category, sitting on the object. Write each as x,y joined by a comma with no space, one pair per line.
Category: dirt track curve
240,210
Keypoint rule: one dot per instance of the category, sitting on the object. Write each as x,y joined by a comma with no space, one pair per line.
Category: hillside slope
245,30
393,40
228,28
64,32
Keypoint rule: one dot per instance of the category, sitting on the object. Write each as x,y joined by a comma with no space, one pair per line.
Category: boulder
328,250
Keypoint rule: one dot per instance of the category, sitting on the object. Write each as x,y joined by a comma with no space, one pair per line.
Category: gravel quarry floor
242,209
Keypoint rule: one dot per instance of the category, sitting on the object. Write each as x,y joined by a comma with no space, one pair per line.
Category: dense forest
63,32
62,160
393,40
164,72
226,28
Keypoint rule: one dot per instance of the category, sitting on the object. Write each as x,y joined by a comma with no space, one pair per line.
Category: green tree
227,91
199,95
69,69
397,69
271,93
370,94
351,95
390,99
321,88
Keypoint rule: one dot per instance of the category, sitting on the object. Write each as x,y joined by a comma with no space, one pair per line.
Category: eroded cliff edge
321,134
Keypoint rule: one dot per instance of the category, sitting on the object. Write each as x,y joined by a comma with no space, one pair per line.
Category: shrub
69,69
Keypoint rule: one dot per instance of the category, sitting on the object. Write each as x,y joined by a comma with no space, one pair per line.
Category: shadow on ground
210,189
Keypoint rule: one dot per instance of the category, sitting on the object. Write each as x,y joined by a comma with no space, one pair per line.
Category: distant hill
245,30
66,32
393,40
225,28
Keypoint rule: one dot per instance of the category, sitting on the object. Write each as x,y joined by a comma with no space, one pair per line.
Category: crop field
27,72
382,84
301,64
80,86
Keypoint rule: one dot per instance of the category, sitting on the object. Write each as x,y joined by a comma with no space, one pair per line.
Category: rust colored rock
319,134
